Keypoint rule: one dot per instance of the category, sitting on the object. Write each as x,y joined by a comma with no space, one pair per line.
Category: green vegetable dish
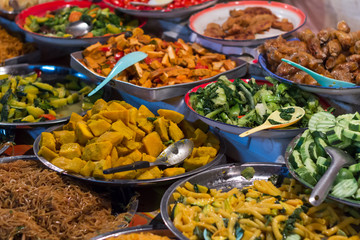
28,99
103,22
310,161
249,104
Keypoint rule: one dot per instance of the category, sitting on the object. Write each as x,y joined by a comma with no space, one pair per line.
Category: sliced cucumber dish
310,161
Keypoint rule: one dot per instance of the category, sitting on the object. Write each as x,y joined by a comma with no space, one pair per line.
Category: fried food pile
244,24
168,63
334,53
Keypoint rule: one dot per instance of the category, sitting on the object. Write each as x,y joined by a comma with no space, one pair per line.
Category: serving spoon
322,80
123,63
172,155
78,28
153,3
339,159
276,121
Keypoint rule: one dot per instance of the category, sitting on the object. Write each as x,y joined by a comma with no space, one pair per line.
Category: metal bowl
162,14
347,95
139,229
49,74
128,182
41,9
158,93
288,152
269,133
223,177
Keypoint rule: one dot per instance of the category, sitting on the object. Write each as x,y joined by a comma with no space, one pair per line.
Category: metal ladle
172,155
78,28
339,159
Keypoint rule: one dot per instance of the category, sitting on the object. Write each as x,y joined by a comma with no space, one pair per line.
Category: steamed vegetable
29,99
249,104
310,160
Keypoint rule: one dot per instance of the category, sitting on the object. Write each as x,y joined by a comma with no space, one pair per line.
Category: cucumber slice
356,116
343,120
305,149
345,188
355,168
321,168
323,161
293,236
302,139
312,168
295,159
344,173
337,138
352,135
304,174
321,120
354,125
357,194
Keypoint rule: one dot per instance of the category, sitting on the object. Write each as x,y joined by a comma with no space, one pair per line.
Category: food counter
204,79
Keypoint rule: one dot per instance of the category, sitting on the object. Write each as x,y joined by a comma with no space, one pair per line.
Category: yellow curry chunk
115,133
64,136
48,140
153,144
47,153
83,133
171,115
70,150
98,127
97,151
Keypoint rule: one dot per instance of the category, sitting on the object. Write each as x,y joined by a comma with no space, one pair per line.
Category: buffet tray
159,93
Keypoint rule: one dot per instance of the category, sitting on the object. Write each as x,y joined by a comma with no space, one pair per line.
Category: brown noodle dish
36,203
12,46
334,53
139,236
244,24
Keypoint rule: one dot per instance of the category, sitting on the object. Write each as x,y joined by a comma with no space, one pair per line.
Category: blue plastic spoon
123,63
322,80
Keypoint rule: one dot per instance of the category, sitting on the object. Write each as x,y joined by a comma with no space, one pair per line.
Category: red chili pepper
118,55
105,49
200,66
48,116
148,60
38,72
241,116
98,70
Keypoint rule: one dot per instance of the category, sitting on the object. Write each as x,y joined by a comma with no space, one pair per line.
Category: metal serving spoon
153,3
172,155
322,80
339,159
276,121
123,63
78,28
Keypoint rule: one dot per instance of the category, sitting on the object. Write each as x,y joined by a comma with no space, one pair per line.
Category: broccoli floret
248,173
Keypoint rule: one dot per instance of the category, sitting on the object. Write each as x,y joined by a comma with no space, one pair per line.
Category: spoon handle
256,129
134,166
322,188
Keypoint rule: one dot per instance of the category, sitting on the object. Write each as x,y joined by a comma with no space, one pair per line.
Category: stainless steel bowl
224,177
288,152
139,229
129,182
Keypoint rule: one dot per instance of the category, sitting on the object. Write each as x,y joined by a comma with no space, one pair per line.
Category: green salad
249,104
103,21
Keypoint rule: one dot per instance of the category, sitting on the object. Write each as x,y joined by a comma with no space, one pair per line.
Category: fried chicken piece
257,11
214,30
343,26
312,42
261,23
334,47
243,21
235,29
242,36
331,62
342,74
357,47
345,39
353,58
283,25
236,13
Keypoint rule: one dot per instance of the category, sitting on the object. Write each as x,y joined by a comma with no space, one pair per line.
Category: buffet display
96,157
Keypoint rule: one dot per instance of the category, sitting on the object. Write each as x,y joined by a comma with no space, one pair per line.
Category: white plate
220,13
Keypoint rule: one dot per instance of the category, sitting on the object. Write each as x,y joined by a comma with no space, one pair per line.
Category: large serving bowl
160,13
129,182
41,9
49,74
348,95
223,177
220,12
